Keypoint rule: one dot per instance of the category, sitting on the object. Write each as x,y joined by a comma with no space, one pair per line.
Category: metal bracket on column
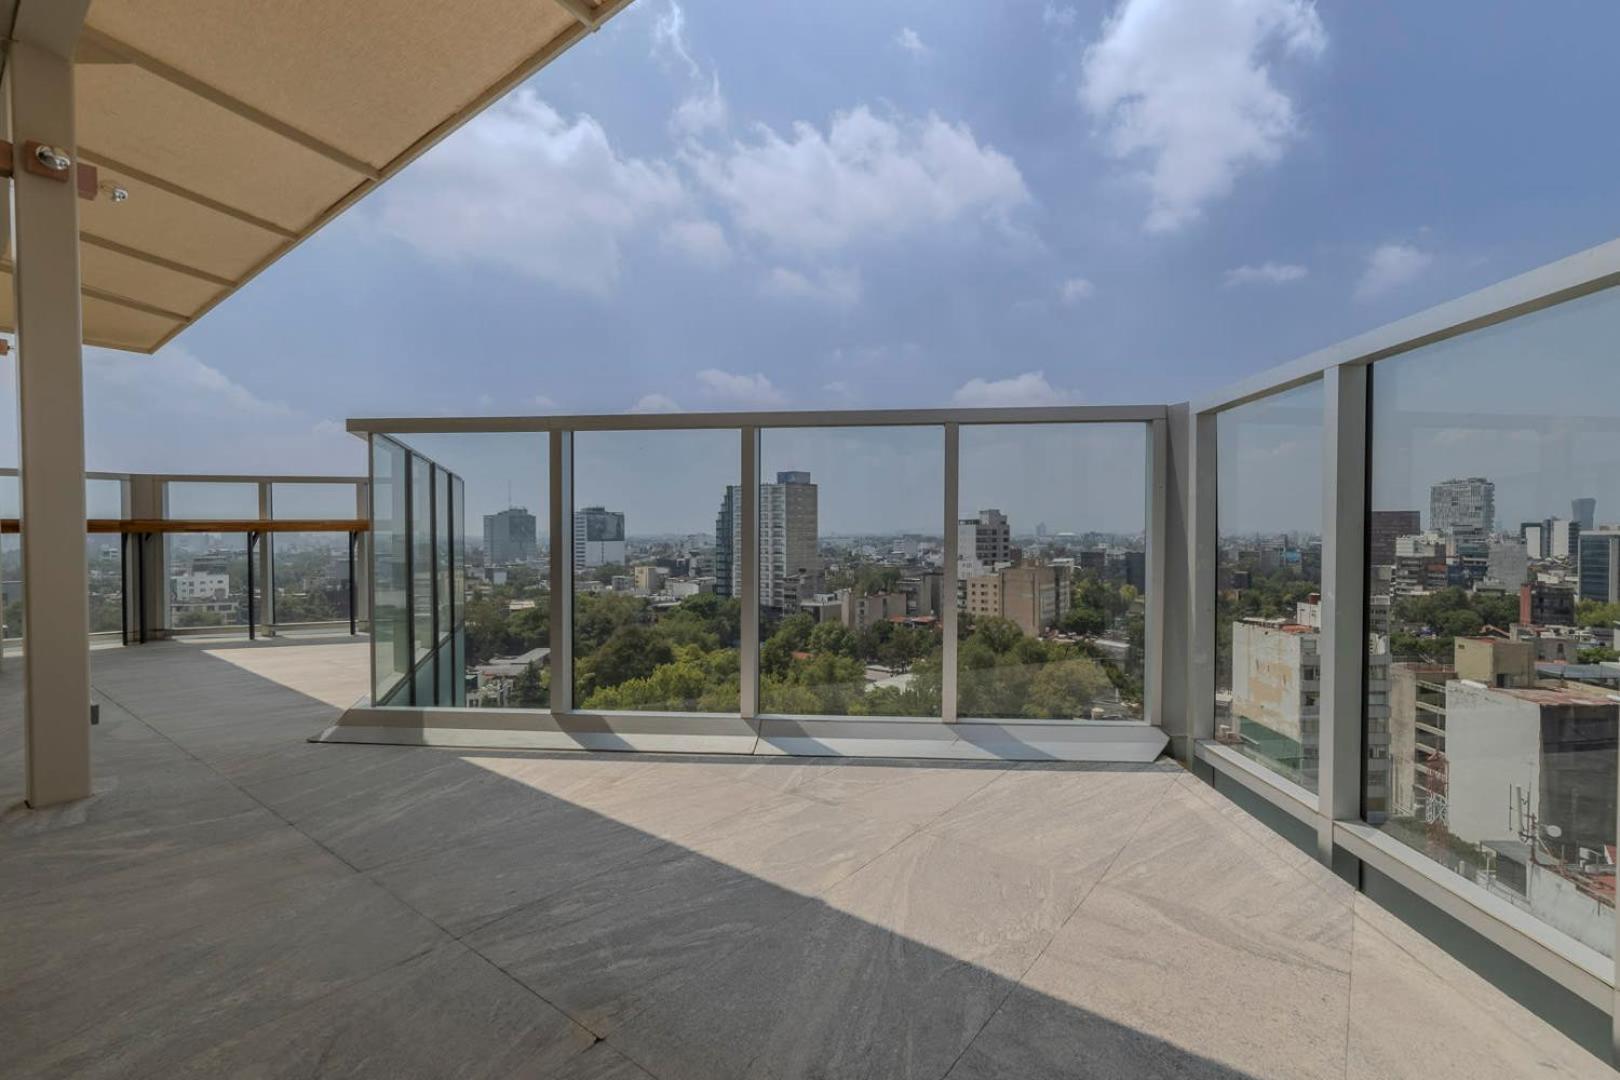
53,163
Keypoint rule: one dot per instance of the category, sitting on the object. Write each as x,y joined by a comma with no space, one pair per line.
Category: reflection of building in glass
598,537
509,537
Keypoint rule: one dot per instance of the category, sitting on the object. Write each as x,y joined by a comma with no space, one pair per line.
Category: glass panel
103,553
1492,713
421,557
207,579
312,577
650,632
851,569
208,501
1052,571
1268,581
104,499
390,616
313,502
500,489
441,549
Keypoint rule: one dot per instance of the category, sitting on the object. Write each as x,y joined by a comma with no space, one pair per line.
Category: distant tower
1585,512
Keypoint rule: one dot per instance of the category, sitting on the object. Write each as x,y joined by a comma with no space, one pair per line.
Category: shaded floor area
235,901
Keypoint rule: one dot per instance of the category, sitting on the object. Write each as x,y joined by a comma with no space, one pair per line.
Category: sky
711,206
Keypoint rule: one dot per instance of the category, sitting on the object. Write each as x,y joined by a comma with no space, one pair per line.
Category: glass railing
969,565
169,556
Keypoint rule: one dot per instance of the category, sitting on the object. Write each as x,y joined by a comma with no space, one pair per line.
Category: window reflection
1494,556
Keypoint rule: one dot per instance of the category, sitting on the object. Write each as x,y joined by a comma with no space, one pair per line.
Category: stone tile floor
235,901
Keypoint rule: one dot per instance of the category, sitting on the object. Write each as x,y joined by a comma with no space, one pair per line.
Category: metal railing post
748,510
949,617
562,571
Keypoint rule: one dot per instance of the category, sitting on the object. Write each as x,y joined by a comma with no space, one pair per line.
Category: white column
50,395
1343,641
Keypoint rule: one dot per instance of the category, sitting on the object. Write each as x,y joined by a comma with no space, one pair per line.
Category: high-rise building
1554,538
509,537
1464,510
985,540
1384,526
789,541
1034,597
1599,566
1584,511
598,538
727,539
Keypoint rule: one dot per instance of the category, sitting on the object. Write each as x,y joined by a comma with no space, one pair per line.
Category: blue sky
716,206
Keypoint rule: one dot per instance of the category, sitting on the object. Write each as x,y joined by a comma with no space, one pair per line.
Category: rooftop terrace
235,900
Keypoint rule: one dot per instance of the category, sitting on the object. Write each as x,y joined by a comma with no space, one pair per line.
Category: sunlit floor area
236,901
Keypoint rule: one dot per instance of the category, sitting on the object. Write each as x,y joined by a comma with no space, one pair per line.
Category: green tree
633,652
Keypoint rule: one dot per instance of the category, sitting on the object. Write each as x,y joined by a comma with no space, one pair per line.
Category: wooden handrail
237,525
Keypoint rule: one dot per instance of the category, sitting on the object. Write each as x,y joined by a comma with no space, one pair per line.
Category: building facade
598,538
510,537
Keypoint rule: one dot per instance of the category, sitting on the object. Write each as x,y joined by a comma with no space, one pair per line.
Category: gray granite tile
798,843
634,934
912,793
444,1013
823,995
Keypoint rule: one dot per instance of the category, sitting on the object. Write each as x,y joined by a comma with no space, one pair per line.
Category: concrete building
1507,562
984,542
1417,740
510,537
728,543
650,580
1276,686
1463,509
1034,597
789,538
860,612
598,538
1543,604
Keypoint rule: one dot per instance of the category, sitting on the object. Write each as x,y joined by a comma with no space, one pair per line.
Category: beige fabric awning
239,127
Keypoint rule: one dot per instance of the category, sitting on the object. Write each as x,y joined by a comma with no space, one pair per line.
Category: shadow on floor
387,911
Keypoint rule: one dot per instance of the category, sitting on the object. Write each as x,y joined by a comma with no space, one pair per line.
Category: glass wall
1494,597
422,575
851,569
104,500
1052,571
390,569
207,572
653,627
311,572
1268,580
313,502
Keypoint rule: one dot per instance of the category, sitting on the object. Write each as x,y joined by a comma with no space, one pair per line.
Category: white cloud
1059,16
655,403
908,40
525,189
865,176
1030,388
173,382
750,391
1075,290
1390,266
704,110
701,241
542,401
1187,86
840,288
1267,273
669,38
